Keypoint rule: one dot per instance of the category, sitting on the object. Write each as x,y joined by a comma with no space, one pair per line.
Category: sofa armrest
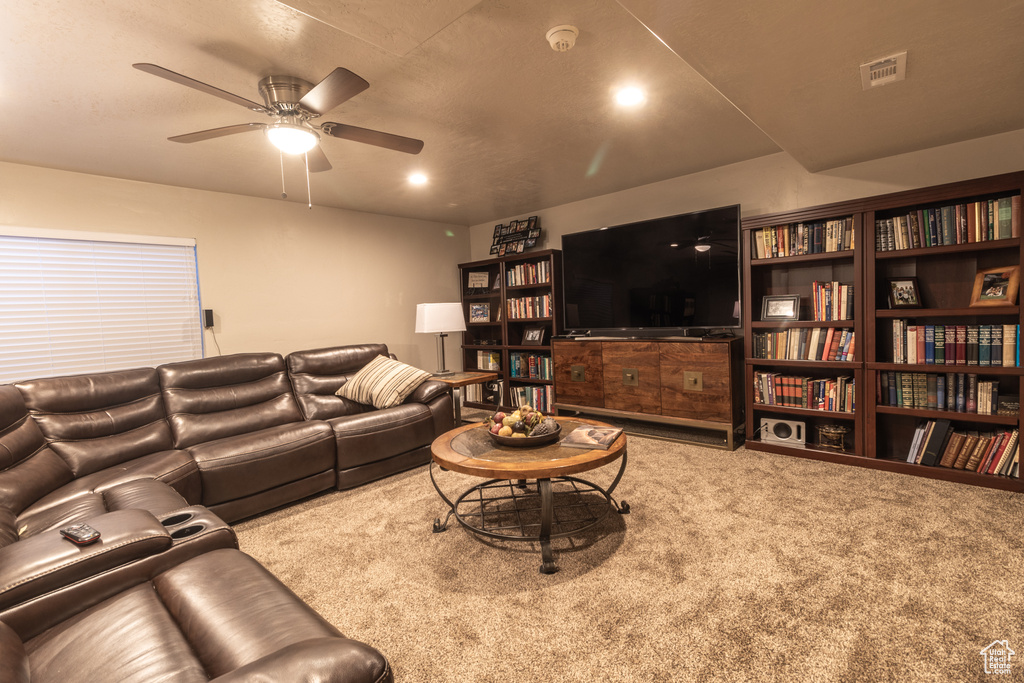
47,561
323,660
428,392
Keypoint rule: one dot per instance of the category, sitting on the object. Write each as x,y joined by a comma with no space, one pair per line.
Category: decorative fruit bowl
527,441
523,428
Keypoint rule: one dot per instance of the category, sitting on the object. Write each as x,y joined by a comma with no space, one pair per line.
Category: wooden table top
461,379
469,450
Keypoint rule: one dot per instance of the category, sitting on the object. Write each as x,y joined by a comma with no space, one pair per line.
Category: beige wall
279,276
771,184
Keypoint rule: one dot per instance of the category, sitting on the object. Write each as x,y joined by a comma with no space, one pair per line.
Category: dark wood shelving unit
946,277
506,333
795,275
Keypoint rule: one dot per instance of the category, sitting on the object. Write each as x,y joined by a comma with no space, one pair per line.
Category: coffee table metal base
532,510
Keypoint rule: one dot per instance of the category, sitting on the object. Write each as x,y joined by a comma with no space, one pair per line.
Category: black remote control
80,534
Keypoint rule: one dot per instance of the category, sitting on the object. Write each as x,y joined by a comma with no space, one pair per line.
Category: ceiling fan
293,103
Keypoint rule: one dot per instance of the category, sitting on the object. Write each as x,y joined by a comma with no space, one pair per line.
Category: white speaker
789,432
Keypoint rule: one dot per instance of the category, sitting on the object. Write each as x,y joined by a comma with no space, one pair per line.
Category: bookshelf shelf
537,279
988,312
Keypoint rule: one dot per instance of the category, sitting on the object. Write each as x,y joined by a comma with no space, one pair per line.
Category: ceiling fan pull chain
284,195
309,195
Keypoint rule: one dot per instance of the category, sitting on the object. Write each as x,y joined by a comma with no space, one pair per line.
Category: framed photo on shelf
479,282
534,335
903,292
996,286
780,307
479,313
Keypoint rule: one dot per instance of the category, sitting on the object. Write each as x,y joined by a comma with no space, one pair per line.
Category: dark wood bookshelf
946,277
507,333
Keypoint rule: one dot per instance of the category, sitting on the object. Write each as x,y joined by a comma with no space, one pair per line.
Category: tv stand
687,382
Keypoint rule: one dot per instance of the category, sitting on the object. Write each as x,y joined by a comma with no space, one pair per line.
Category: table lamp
440,319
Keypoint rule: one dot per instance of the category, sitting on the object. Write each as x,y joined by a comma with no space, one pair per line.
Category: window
74,302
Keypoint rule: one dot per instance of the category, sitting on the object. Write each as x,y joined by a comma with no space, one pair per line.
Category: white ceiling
510,126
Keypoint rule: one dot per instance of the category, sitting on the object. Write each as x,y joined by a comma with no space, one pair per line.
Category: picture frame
996,286
479,313
780,307
479,280
903,292
534,335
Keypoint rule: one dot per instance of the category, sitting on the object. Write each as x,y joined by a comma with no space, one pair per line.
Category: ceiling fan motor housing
282,93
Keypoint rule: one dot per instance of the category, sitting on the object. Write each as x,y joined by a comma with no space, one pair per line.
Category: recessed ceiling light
418,179
630,96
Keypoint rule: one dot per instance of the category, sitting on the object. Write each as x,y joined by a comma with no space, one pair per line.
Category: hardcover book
586,436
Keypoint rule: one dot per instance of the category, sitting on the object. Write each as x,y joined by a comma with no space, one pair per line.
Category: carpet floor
732,566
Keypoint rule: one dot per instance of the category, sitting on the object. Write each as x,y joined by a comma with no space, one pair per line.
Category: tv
671,276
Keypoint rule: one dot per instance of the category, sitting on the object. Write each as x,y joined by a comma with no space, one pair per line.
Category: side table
457,380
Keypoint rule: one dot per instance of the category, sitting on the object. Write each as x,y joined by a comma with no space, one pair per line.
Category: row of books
956,392
488,360
529,307
936,443
992,219
797,239
805,343
981,345
832,301
530,365
791,391
528,274
483,393
540,397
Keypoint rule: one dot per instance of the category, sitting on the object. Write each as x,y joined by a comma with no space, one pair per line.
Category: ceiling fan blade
372,137
339,85
318,160
217,132
200,86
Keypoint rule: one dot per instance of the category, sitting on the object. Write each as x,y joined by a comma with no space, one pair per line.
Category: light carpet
732,566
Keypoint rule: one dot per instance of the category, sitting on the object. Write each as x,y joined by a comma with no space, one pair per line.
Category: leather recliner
220,616
237,417
38,488
371,443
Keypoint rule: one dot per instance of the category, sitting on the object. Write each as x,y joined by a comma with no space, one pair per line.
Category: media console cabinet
691,382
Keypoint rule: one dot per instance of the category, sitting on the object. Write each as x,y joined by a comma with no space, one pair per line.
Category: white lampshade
292,139
433,318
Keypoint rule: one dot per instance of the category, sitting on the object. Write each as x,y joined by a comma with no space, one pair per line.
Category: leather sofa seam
287,444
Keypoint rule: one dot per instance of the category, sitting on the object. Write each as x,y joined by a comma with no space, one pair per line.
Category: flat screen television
677,275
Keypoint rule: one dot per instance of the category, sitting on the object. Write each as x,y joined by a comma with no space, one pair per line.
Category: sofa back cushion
28,468
215,398
318,374
100,420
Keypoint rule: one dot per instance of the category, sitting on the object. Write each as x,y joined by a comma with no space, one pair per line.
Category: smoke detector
562,38
883,71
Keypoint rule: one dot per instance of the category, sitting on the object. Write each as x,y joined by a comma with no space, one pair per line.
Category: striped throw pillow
383,383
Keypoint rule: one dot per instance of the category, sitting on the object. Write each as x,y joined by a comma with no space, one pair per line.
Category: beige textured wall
771,184
279,276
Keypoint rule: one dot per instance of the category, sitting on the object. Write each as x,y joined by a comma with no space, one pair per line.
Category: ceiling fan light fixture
291,138
702,247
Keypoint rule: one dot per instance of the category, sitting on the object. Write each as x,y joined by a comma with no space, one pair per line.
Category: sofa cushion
243,465
383,383
215,398
317,374
99,420
29,469
381,434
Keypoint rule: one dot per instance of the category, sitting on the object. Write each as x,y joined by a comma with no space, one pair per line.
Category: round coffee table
529,493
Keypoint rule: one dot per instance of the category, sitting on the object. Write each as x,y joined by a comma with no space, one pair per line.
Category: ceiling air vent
883,71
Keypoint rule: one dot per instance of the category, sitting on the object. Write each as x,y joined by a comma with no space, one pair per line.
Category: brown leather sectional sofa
160,461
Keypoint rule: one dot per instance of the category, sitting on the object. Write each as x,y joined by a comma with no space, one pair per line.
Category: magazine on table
587,436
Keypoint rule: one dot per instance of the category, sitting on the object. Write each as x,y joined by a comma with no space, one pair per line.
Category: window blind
70,306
